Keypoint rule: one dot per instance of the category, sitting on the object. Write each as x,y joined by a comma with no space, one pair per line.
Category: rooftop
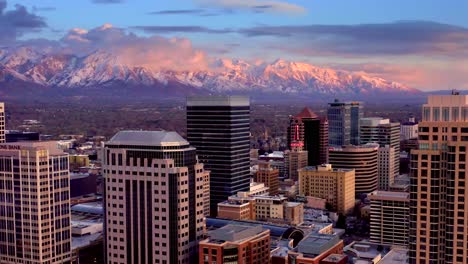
306,113
89,208
51,146
395,256
387,195
316,244
334,258
319,168
234,233
147,138
218,101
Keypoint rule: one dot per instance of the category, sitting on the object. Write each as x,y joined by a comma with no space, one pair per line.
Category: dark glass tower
343,123
312,130
219,127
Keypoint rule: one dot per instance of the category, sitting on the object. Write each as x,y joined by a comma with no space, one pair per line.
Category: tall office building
438,207
35,203
154,198
269,176
382,131
364,159
334,185
389,218
343,123
312,131
386,164
2,123
219,127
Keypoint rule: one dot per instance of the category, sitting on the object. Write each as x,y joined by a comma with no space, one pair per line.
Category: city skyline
421,46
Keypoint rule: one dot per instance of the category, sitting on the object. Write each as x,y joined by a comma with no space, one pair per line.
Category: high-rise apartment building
386,164
2,123
154,198
35,206
389,218
309,131
269,176
382,131
343,123
219,127
363,159
438,207
334,185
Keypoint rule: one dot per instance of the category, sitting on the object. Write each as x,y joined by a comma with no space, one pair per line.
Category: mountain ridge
101,69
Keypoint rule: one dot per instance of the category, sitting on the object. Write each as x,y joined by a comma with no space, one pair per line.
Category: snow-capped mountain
103,69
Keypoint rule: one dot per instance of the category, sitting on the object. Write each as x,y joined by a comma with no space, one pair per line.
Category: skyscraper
35,203
386,166
154,198
382,131
219,127
2,123
343,123
311,130
364,159
438,207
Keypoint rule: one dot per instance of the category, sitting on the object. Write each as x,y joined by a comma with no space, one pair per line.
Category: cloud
17,22
43,8
256,6
108,1
196,12
153,52
399,38
181,29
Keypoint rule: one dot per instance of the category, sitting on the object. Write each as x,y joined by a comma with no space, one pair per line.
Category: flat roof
147,138
51,146
315,244
234,233
218,101
388,195
395,256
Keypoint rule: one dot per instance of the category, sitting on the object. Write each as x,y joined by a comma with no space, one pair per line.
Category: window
445,113
436,114
455,114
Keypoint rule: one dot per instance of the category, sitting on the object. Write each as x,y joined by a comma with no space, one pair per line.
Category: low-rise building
274,209
237,243
316,247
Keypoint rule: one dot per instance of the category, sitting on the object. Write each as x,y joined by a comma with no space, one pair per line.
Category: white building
35,205
154,198
409,130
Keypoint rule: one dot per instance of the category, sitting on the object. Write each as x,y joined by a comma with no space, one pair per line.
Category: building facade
343,123
269,176
154,198
295,159
409,129
311,132
382,131
236,243
35,206
334,185
438,210
389,218
386,174
2,123
219,127
363,159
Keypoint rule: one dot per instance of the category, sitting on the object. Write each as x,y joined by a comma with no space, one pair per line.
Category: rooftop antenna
455,92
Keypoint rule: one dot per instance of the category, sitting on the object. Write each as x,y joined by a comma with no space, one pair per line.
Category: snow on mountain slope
101,68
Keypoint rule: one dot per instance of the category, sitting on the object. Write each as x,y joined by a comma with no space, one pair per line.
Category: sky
422,44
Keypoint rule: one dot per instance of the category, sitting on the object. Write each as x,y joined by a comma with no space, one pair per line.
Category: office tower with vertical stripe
219,127
35,219
154,198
